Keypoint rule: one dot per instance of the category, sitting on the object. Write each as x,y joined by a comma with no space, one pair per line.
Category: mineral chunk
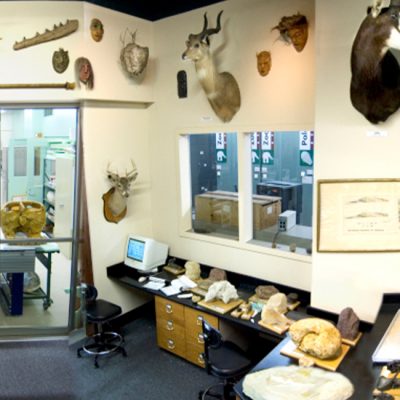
270,316
348,323
266,291
278,302
217,274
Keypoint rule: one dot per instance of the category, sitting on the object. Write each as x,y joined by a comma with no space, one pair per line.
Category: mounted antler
221,89
116,198
375,81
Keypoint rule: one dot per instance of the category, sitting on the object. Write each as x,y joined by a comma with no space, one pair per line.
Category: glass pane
214,177
38,169
282,178
20,161
39,296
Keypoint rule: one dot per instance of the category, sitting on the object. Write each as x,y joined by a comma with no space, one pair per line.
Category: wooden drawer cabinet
194,354
170,326
169,310
179,329
171,341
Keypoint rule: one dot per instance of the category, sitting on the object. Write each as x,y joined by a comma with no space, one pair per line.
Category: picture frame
358,215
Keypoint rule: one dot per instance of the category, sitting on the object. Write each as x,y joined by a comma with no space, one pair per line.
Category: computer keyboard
156,279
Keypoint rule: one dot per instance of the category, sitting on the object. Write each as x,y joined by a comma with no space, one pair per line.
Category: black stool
99,312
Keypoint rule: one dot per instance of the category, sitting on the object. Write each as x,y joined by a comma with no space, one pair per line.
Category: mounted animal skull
221,89
375,80
116,198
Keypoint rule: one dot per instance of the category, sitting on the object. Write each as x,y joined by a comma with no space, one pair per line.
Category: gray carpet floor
50,370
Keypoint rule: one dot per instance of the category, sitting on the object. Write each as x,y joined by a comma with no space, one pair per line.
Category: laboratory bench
178,320
357,364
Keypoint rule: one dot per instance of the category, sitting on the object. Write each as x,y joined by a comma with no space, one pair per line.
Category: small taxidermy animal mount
375,72
294,30
115,200
221,88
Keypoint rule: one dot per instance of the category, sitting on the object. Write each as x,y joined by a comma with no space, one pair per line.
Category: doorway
38,186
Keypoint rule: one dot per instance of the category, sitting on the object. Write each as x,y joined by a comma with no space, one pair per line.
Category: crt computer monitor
143,253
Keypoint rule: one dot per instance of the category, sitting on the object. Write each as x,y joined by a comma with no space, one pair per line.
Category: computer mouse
142,279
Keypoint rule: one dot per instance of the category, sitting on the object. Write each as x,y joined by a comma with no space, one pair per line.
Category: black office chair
223,359
100,312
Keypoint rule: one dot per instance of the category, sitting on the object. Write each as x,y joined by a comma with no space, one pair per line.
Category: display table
356,366
14,262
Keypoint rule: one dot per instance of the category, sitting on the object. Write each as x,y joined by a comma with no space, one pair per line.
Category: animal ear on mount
182,84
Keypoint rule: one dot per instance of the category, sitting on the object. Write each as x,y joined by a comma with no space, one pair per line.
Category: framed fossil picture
358,215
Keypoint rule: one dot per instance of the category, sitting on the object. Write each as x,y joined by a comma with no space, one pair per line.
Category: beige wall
283,100
345,151
115,114
307,90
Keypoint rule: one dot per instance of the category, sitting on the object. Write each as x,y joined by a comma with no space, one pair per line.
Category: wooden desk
187,313
357,365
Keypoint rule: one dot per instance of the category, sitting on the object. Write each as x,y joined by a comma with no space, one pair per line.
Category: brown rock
217,274
348,323
266,291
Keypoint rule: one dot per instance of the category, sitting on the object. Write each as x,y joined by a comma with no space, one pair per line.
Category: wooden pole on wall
66,85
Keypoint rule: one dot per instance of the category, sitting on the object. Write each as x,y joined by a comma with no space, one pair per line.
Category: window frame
245,210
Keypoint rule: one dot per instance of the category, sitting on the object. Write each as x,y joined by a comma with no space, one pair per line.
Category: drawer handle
168,308
170,325
200,338
200,358
199,320
171,344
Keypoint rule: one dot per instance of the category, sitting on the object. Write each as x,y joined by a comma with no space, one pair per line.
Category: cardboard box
221,208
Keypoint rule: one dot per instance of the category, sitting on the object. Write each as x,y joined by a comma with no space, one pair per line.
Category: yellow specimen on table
28,217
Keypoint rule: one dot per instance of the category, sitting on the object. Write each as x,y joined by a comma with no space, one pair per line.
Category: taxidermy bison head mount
375,79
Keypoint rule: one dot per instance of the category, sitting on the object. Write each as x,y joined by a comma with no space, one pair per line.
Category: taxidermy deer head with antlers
115,200
221,88
375,80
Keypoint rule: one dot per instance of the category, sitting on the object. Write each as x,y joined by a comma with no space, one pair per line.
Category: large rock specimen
295,383
316,337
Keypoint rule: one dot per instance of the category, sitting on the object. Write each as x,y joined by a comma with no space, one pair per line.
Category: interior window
278,187
214,177
282,187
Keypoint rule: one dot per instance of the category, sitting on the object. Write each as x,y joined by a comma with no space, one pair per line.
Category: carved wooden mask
264,62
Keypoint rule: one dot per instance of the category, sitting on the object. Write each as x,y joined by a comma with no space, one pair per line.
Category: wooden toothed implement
66,85
57,32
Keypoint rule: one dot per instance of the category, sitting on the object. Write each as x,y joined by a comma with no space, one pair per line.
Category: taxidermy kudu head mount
375,80
116,198
221,89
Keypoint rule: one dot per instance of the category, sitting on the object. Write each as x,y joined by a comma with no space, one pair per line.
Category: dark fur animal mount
375,80
57,32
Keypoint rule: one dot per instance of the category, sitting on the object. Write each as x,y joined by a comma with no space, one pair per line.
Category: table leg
17,293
